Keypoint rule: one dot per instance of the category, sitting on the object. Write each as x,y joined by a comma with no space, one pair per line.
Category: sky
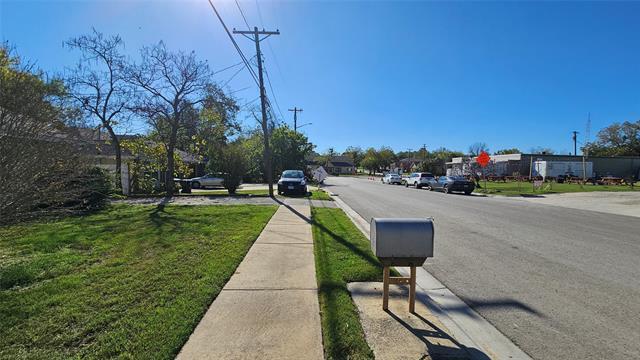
386,73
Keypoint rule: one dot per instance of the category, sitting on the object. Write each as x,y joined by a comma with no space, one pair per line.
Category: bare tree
172,84
476,148
98,86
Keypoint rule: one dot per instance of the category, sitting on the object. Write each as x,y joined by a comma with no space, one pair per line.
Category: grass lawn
512,188
314,193
224,192
127,282
342,255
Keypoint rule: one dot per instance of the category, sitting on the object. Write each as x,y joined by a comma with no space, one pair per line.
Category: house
340,165
406,165
98,147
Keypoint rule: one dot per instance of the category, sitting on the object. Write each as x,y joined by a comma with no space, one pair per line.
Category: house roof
340,164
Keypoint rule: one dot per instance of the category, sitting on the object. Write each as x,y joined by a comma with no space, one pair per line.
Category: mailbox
402,242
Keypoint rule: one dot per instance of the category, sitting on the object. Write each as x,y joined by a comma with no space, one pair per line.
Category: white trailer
556,168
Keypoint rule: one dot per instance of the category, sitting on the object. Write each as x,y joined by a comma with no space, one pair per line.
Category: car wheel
195,185
406,184
418,186
467,192
445,189
429,188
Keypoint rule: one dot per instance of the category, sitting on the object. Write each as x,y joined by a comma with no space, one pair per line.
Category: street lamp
296,129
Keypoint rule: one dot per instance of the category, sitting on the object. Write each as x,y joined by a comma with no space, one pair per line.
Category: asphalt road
560,283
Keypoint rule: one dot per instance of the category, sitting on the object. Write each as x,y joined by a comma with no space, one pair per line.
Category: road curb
466,326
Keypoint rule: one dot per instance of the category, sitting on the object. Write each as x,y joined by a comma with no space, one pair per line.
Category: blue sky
393,73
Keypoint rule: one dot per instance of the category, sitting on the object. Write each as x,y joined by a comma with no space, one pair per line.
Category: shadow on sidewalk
439,351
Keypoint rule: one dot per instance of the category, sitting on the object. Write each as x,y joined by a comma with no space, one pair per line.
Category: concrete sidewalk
269,308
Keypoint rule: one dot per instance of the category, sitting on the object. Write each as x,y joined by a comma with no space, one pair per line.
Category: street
560,283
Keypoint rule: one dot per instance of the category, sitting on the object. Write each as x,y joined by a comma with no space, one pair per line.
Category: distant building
520,164
340,165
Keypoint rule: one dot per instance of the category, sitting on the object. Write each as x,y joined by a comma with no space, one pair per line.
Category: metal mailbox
402,242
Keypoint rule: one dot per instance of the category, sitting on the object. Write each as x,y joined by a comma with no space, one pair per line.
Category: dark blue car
452,184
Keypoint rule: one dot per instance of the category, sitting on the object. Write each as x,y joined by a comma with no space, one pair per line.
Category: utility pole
263,101
295,118
575,143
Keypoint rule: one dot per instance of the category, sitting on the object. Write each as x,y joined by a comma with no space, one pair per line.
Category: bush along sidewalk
342,255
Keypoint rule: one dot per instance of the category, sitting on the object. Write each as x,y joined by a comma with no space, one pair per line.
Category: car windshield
297,174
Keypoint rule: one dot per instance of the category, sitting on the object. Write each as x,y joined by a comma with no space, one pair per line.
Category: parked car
292,182
392,178
418,180
452,183
209,180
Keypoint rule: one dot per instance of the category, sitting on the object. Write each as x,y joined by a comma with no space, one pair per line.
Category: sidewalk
269,308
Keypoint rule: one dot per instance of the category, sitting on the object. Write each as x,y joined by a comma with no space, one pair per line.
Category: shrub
233,165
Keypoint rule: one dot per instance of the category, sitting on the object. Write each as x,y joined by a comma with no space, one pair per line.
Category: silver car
392,178
209,180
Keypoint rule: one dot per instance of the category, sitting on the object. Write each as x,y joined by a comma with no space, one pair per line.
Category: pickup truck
418,180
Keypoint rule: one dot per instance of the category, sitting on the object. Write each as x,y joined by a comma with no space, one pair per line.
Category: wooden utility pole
263,101
295,118
575,143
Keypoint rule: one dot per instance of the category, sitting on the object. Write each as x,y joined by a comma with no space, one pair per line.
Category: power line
227,68
235,44
232,76
273,53
275,99
272,92
242,13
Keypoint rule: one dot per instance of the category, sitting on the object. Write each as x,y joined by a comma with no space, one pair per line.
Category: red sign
483,159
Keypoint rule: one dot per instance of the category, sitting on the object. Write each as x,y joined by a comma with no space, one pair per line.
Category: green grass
127,282
313,194
224,192
342,255
526,188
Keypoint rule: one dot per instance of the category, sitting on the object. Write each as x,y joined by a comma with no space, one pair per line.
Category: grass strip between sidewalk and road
342,255
514,188
131,281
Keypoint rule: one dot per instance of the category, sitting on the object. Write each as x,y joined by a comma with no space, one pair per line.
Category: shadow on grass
367,256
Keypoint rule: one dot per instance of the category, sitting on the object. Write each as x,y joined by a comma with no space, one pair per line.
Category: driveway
561,283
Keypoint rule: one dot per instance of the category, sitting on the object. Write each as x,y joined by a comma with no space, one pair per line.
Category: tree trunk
118,153
168,181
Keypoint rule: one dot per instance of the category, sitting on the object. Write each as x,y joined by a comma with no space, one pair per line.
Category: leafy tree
446,154
542,150
355,153
386,156
618,139
98,87
507,151
233,166
207,130
370,160
150,158
289,149
476,148
172,85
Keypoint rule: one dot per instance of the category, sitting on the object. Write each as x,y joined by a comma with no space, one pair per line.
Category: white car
392,178
418,180
209,180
